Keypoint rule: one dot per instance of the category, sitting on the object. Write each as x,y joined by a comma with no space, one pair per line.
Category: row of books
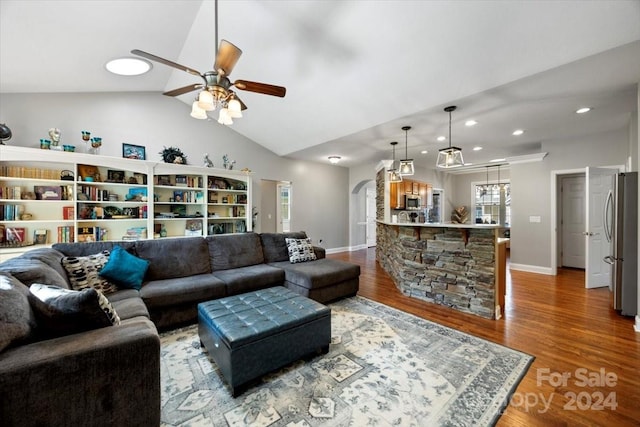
178,181
11,193
66,234
91,234
10,212
188,196
24,172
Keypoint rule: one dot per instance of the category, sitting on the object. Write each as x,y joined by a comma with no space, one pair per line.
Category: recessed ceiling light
478,148
518,132
441,138
128,66
470,123
497,160
424,152
583,110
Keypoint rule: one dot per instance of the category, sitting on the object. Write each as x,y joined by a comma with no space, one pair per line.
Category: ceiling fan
216,86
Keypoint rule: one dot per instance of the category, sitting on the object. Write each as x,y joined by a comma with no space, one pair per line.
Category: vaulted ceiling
355,71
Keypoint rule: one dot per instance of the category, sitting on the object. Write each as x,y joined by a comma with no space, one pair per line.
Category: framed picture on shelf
130,151
181,180
140,178
115,176
40,236
241,199
163,180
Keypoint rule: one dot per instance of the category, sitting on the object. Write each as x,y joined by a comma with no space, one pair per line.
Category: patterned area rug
384,368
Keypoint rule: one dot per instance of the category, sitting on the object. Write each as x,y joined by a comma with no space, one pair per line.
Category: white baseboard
531,268
337,250
636,327
346,249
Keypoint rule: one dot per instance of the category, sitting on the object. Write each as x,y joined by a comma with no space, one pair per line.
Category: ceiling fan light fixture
205,101
450,157
235,109
197,112
224,118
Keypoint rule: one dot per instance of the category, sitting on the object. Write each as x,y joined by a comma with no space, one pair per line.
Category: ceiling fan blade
261,88
165,62
184,90
228,55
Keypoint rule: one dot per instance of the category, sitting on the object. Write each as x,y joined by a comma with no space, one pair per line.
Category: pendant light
406,164
394,175
450,157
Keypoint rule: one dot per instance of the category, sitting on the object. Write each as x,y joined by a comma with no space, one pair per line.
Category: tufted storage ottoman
252,334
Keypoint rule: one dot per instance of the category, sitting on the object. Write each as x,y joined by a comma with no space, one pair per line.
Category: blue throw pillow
124,269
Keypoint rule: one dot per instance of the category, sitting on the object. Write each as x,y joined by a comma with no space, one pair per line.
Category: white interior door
371,217
573,221
600,182
283,208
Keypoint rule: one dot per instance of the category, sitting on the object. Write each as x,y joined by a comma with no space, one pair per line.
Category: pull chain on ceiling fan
216,89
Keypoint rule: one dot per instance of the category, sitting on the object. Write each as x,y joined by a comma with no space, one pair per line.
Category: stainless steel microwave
411,202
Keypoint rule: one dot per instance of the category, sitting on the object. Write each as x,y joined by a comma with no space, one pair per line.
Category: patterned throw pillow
63,311
83,272
300,250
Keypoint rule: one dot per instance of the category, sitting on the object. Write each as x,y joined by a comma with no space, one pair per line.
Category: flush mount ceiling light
517,132
128,66
406,164
583,110
394,175
450,157
334,159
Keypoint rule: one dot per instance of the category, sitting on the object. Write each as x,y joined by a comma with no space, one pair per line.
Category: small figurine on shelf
173,155
226,163
207,162
55,134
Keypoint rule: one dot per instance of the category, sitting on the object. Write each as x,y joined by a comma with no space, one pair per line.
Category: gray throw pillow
17,320
63,311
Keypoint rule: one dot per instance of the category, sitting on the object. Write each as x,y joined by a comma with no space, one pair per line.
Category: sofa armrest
320,252
104,377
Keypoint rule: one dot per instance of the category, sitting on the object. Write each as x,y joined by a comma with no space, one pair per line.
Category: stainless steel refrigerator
621,228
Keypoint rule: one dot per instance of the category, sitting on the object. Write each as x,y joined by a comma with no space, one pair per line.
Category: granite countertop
445,225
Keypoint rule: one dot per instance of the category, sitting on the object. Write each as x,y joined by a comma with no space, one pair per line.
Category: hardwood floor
570,330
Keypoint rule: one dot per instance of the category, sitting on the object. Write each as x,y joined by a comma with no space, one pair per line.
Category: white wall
320,203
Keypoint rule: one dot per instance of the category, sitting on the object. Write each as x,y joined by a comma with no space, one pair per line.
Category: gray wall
531,189
320,192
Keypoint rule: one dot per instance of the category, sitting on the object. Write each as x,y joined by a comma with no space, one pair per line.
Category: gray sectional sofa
111,375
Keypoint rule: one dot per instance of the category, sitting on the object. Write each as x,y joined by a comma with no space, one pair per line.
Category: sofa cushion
123,294
49,256
320,273
234,250
174,258
274,246
63,311
250,278
300,250
30,271
88,248
83,272
125,270
172,292
130,307
17,320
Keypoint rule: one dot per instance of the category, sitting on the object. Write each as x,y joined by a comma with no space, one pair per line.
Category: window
492,203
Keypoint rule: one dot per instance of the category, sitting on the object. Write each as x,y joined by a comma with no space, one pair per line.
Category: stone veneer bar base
455,267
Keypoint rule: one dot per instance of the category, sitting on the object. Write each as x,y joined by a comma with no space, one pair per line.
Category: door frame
555,183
